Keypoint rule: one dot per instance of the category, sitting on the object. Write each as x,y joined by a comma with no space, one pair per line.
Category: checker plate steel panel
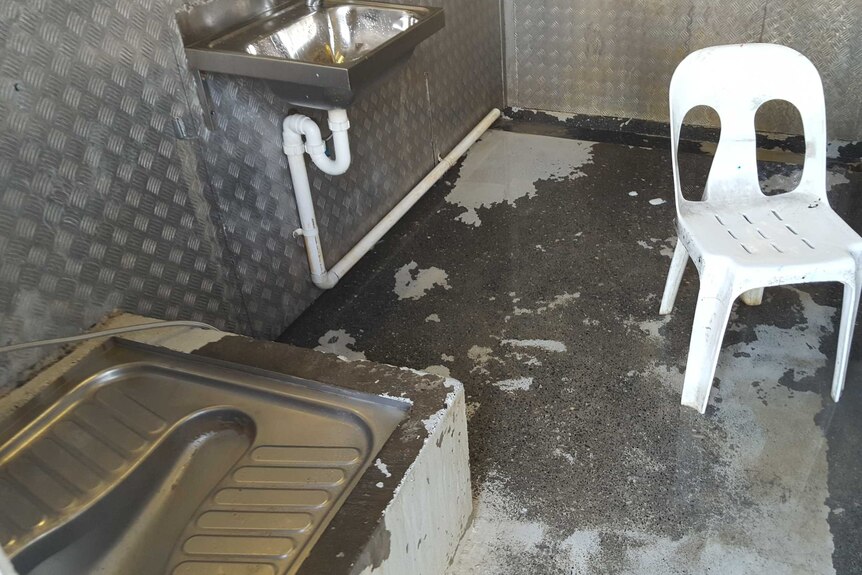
616,58
103,207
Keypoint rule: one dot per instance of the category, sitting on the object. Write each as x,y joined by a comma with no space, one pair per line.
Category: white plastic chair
740,239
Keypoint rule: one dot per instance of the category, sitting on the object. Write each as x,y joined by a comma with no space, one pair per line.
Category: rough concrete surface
582,459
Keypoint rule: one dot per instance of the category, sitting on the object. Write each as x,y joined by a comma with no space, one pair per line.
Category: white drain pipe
297,126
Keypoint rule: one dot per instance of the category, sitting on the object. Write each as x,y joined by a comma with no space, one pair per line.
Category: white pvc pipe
299,175
297,126
305,207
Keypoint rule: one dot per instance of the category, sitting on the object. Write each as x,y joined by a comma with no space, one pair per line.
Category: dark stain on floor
599,439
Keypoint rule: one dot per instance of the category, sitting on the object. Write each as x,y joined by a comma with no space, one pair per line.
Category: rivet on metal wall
181,130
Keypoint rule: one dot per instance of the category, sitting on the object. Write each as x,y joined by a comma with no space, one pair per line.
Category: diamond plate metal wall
616,58
397,130
103,207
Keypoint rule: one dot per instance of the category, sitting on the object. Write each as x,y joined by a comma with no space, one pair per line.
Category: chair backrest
735,81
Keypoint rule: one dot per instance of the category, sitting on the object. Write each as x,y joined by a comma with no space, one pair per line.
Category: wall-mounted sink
313,56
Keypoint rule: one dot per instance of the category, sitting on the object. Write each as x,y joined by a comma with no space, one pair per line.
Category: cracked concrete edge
432,506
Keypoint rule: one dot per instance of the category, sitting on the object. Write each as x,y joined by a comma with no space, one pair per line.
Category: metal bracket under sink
205,98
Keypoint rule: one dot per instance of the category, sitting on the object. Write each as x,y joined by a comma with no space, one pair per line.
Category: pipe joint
325,281
298,126
293,149
293,145
306,233
339,125
301,125
315,149
338,119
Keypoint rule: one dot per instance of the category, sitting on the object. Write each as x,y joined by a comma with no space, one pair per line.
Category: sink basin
332,35
158,463
315,57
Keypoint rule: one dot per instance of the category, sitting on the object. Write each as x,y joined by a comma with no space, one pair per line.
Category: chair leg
753,297
674,278
707,333
849,309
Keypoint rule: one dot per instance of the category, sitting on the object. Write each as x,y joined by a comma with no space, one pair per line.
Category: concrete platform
408,511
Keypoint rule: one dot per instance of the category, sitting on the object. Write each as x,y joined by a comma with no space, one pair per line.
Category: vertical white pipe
305,207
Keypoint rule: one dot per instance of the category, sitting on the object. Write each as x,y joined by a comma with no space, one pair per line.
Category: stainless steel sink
316,57
333,35
155,463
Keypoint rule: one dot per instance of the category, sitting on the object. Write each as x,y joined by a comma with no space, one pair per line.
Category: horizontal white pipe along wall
295,127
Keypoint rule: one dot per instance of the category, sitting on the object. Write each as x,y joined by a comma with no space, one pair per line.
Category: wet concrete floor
533,274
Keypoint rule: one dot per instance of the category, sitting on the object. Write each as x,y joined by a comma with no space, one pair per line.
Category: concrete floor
533,275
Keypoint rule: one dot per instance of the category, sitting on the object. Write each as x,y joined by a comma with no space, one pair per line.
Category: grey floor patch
583,460
504,167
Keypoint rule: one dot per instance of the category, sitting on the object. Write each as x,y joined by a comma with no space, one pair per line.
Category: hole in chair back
701,129
780,147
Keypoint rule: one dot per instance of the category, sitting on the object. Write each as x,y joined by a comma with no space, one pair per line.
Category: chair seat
791,231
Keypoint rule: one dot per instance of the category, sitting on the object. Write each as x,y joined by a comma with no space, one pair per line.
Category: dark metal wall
615,58
103,206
